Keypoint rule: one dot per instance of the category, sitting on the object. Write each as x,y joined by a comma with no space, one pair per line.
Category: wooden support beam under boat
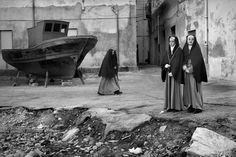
16,79
46,80
79,74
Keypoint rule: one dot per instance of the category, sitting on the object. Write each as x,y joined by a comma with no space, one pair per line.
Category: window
56,27
63,28
5,43
48,27
192,32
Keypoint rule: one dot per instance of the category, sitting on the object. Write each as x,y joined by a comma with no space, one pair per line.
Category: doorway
172,30
5,43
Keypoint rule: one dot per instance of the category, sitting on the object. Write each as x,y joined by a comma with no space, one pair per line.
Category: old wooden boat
51,52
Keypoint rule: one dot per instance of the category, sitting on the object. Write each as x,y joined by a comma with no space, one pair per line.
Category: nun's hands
167,66
170,74
185,68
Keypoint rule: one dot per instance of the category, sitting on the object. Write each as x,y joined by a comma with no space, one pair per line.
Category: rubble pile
76,133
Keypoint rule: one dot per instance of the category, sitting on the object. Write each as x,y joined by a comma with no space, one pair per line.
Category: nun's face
172,41
190,40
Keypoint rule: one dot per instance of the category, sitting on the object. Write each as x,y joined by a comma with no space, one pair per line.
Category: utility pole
33,10
115,9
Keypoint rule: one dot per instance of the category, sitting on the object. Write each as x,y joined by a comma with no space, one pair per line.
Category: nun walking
108,72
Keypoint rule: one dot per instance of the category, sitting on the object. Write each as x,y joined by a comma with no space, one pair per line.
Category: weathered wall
185,16
105,28
195,20
93,17
222,39
13,17
166,15
222,34
189,15
142,32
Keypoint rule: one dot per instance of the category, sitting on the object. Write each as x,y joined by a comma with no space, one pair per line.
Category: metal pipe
158,39
206,29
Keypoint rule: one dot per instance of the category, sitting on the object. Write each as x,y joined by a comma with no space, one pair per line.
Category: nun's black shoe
117,92
100,93
190,109
197,111
171,110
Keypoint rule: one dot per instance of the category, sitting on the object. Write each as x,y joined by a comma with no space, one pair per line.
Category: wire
141,20
105,18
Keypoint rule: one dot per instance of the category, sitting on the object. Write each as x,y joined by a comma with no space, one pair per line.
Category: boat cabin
45,30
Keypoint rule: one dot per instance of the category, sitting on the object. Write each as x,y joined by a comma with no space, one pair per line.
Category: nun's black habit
108,71
173,96
195,73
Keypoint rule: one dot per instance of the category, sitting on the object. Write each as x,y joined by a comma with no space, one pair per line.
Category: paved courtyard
143,92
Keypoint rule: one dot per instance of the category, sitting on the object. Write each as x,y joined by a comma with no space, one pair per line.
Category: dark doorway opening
172,29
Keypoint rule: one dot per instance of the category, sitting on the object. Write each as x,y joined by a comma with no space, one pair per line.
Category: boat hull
59,57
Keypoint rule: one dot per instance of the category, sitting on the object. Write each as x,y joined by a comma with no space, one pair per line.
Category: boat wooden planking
51,51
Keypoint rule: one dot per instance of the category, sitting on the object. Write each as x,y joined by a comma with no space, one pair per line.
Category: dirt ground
34,119
40,132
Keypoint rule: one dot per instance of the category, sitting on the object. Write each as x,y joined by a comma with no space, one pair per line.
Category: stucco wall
222,39
194,20
93,17
142,31
189,15
105,28
171,14
222,34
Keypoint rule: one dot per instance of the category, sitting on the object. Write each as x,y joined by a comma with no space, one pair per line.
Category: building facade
143,37
113,22
212,21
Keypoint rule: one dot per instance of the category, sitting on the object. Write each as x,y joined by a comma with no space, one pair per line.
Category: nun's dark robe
173,92
192,91
108,71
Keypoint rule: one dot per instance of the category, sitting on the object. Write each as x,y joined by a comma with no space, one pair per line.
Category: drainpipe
206,29
33,10
158,38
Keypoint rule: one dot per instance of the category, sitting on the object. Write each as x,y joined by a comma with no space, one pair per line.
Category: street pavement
143,93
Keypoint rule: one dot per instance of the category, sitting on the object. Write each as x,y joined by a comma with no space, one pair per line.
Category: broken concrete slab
118,120
82,118
207,143
70,134
162,128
